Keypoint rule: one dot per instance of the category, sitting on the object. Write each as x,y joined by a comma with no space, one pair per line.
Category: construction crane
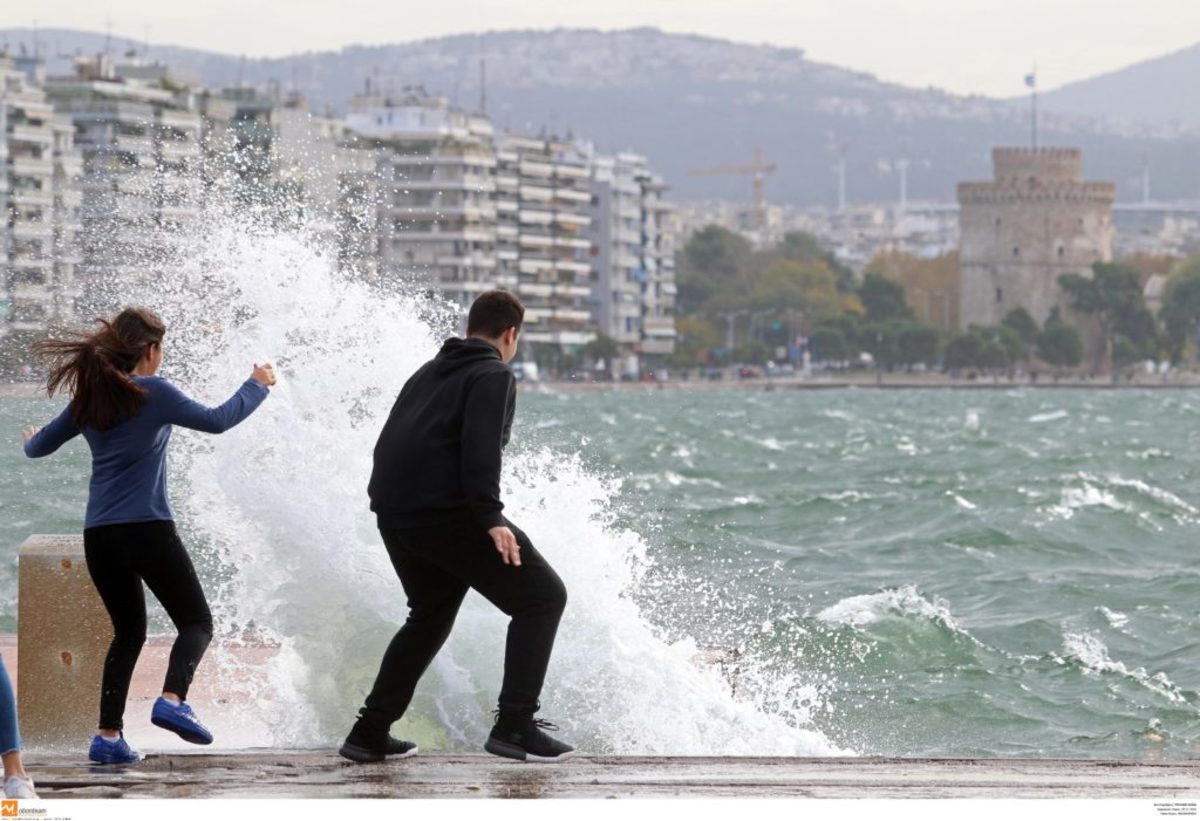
758,170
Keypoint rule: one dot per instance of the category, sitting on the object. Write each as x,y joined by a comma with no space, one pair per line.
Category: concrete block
63,637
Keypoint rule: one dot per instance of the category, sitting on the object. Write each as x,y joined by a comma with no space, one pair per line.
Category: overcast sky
979,46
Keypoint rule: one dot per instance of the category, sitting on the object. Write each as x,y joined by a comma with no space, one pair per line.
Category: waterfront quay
292,774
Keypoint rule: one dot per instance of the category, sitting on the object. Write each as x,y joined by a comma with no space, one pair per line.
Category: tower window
1016,250
999,294
1061,250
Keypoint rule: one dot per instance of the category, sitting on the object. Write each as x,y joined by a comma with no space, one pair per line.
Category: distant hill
1159,91
687,101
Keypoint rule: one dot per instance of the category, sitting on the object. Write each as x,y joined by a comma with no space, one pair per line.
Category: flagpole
1034,123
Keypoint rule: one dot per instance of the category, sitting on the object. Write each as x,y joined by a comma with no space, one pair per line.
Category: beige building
1034,221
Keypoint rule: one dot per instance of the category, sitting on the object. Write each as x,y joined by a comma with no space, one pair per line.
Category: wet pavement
322,774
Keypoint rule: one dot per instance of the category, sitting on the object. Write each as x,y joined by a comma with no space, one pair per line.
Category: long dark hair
95,368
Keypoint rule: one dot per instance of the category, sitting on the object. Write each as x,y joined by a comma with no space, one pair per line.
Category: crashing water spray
304,597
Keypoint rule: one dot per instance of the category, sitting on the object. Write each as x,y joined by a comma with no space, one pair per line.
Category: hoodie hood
457,353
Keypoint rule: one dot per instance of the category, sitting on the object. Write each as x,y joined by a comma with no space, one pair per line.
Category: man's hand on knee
506,545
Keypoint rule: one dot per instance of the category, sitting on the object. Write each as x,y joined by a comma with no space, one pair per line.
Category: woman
17,783
125,413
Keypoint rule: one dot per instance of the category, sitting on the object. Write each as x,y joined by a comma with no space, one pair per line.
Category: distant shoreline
35,390
895,382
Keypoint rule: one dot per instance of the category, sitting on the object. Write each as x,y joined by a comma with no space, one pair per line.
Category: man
435,490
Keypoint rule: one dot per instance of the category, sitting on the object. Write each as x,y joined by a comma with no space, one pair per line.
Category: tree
603,347
1059,344
883,299
1023,324
696,341
803,246
1113,294
808,287
964,350
1180,311
919,344
712,262
829,345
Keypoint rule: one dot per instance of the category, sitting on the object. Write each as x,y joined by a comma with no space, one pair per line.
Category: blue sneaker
103,751
179,719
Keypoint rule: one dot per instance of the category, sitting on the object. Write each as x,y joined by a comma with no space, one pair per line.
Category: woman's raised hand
29,432
263,374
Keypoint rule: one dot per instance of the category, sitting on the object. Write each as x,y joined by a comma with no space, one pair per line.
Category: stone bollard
62,638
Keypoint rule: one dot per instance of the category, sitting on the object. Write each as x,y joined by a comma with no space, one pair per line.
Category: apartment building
633,255
547,181
39,202
139,135
435,182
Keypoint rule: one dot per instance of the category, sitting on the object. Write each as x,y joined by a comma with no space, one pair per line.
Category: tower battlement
1043,164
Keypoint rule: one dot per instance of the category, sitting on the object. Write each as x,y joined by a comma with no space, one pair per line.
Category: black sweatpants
436,566
119,559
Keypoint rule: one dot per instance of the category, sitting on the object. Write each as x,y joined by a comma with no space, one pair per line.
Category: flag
1031,80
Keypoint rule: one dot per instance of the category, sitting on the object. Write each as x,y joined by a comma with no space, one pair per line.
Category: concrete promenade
322,774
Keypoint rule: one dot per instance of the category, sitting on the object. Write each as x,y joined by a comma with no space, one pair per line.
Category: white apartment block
140,140
550,255
39,201
633,254
435,177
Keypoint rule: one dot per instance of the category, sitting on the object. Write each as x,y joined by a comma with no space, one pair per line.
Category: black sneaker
369,748
524,740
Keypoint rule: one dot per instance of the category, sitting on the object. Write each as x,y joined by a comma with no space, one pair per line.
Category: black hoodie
438,455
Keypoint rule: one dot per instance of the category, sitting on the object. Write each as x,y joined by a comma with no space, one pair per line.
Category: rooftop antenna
483,74
35,39
108,37
146,43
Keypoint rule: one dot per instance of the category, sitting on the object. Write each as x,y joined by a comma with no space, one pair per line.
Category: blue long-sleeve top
129,461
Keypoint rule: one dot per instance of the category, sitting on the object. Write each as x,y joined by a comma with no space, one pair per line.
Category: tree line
739,305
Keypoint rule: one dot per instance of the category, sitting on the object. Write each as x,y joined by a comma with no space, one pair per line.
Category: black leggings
119,559
437,565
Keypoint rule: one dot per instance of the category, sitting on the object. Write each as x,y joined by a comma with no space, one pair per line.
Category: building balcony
24,166
573,266
535,289
661,327
533,217
31,230
656,346
531,168
572,195
31,197
179,120
32,135
572,220
534,195
576,243
572,172
465,261
535,266
536,240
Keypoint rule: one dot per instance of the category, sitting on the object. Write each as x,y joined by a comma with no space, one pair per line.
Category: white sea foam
281,502
1049,417
1091,653
905,601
